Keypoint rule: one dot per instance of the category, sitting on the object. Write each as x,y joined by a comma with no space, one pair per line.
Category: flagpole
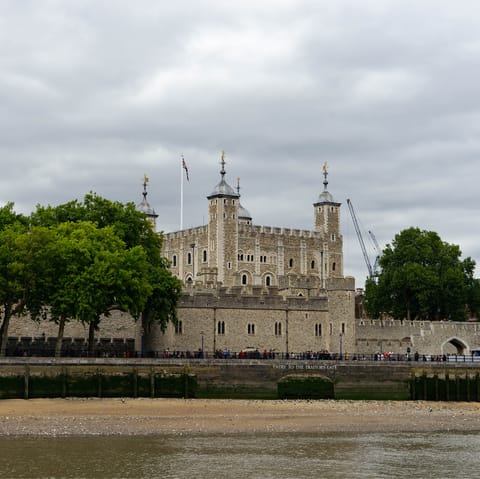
181,194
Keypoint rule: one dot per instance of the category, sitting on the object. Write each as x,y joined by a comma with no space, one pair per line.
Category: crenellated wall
424,337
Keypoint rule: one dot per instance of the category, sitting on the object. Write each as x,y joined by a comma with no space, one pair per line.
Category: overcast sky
94,94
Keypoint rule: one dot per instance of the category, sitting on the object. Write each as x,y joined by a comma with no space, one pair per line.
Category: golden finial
325,166
145,178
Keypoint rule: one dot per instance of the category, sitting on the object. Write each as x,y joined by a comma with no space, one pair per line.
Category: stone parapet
223,299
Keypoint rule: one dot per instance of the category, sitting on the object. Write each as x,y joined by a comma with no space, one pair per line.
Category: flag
184,165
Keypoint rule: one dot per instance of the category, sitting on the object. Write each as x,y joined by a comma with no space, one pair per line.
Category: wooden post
152,384
185,382
135,382
64,382
26,390
447,387
467,378
99,383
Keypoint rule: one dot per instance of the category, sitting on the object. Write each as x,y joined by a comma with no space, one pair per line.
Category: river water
264,456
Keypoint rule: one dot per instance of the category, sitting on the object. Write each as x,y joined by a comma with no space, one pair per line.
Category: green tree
128,223
161,306
80,271
421,277
116,278
133,228
12,286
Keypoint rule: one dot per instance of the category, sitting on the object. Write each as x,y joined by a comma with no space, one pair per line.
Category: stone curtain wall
118,325
201,313
426,337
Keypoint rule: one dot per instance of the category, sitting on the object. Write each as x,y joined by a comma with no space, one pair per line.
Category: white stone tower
223,207
327,222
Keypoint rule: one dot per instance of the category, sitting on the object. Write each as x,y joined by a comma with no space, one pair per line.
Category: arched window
244,279
251,328
290,263
268,280
204,256
334,266
189,258
221,327
318,329
312,264
174,260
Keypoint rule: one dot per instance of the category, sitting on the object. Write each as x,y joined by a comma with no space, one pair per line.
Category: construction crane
372,270
377,251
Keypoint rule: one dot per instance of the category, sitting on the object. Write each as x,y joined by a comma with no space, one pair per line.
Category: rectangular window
179,328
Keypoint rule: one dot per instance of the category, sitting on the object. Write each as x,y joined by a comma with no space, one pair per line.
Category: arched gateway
455,346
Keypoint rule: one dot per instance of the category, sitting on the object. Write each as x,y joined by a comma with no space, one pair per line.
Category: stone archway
455,346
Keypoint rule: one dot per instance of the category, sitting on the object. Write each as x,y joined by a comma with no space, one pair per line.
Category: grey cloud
95,94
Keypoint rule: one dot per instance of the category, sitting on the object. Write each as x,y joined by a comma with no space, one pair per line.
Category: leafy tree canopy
422,277
79,261
129,224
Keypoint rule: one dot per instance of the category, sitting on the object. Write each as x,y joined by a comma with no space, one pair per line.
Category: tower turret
244,215
223,207
145,207
327,222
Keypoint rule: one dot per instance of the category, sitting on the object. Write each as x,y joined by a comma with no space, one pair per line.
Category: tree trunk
144,335
91,336
4,330
59,341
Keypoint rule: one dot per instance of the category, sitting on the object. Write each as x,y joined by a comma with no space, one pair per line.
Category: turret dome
223,188
243,214
144,206
325,197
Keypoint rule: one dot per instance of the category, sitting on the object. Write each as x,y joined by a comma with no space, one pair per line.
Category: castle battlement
188,233
224,298
417,326
253,230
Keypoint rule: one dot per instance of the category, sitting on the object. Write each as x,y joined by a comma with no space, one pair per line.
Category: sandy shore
57,417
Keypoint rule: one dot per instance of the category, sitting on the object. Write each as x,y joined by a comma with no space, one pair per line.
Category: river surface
264,456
